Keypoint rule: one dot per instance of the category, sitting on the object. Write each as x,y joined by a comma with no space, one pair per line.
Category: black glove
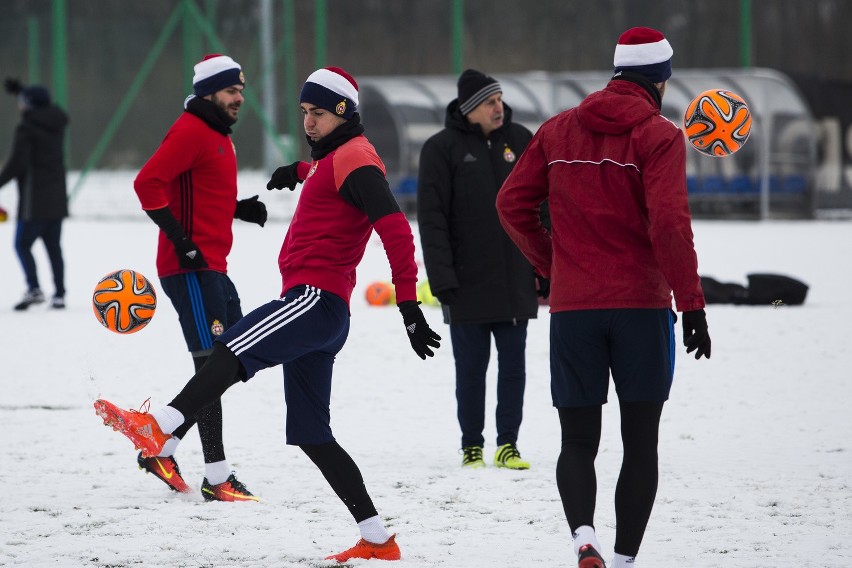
543,286
13,86
251,210
189,255
447,297
285,176
420,334
695,336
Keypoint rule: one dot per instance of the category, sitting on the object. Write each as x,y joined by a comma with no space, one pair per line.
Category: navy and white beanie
645,51
473,88
214,73
34,96
332,89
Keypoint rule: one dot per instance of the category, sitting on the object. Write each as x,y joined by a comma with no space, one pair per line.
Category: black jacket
37,162
464,246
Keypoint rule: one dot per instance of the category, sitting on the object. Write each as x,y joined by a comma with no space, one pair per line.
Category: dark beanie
474,88
35,96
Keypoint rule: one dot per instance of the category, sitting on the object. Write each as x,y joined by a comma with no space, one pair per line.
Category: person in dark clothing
614,172
37,162
485,285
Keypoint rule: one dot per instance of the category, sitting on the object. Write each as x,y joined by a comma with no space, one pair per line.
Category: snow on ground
755,450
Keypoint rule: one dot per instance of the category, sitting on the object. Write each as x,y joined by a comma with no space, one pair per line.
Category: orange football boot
230,490
367,550
139,426
166,470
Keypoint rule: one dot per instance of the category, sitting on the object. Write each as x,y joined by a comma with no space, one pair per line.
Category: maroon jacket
613,170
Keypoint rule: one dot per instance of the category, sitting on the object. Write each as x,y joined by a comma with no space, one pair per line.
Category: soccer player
620,244
189,189
345,196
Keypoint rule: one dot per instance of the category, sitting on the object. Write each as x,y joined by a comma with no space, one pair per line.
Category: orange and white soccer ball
717,122
380,294
124,301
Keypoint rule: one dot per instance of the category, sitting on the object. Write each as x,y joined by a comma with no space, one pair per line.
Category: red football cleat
166,470
367,550
139,426
588,557
230,490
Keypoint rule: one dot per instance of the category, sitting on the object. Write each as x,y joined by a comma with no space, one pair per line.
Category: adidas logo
146,431
191,254
411,328
469,158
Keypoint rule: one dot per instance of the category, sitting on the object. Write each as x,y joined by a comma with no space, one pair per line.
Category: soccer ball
124,301
717,122
380,294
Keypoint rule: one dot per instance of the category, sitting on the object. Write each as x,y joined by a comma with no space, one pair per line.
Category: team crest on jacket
340,108
217,328
508,155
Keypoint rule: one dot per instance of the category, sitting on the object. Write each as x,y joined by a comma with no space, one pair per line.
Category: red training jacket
614,172
328,236
194,172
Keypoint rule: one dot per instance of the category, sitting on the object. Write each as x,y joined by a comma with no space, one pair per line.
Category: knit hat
332,89
644,51
214,73
34,96
474,87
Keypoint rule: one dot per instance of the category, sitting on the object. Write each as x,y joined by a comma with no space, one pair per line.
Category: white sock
585,535
168,418
217,472
169,447
621,561
373,530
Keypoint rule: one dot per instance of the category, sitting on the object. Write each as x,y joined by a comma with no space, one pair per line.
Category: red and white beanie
645,51
214,73
332,89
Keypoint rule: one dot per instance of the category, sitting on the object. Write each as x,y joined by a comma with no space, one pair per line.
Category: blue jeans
472,351
49,231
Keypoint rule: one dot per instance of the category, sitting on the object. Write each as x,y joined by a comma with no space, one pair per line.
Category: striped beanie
474,87
332,89
214,73
644,51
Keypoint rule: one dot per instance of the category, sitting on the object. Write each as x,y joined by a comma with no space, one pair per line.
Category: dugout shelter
773,175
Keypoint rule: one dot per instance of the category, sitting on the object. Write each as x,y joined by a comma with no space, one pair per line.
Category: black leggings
637,481
341,472
200,399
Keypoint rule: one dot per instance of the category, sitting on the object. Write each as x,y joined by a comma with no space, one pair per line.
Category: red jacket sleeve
398,241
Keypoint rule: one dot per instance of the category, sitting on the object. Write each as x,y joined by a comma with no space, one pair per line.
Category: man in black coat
484,283
37,162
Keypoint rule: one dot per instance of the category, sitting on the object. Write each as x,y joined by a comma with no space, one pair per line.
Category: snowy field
755,451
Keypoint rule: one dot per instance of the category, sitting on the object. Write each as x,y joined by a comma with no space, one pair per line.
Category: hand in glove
447,297
420,334
542,286
251,210
285,176
13,86
695,335
189,255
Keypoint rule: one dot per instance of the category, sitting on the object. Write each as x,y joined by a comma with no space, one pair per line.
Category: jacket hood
455,119
49,118
621,105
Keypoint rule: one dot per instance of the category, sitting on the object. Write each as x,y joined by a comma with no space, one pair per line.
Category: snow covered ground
755,451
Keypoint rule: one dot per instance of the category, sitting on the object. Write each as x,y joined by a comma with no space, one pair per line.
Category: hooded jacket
464,246
37,161
614,172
